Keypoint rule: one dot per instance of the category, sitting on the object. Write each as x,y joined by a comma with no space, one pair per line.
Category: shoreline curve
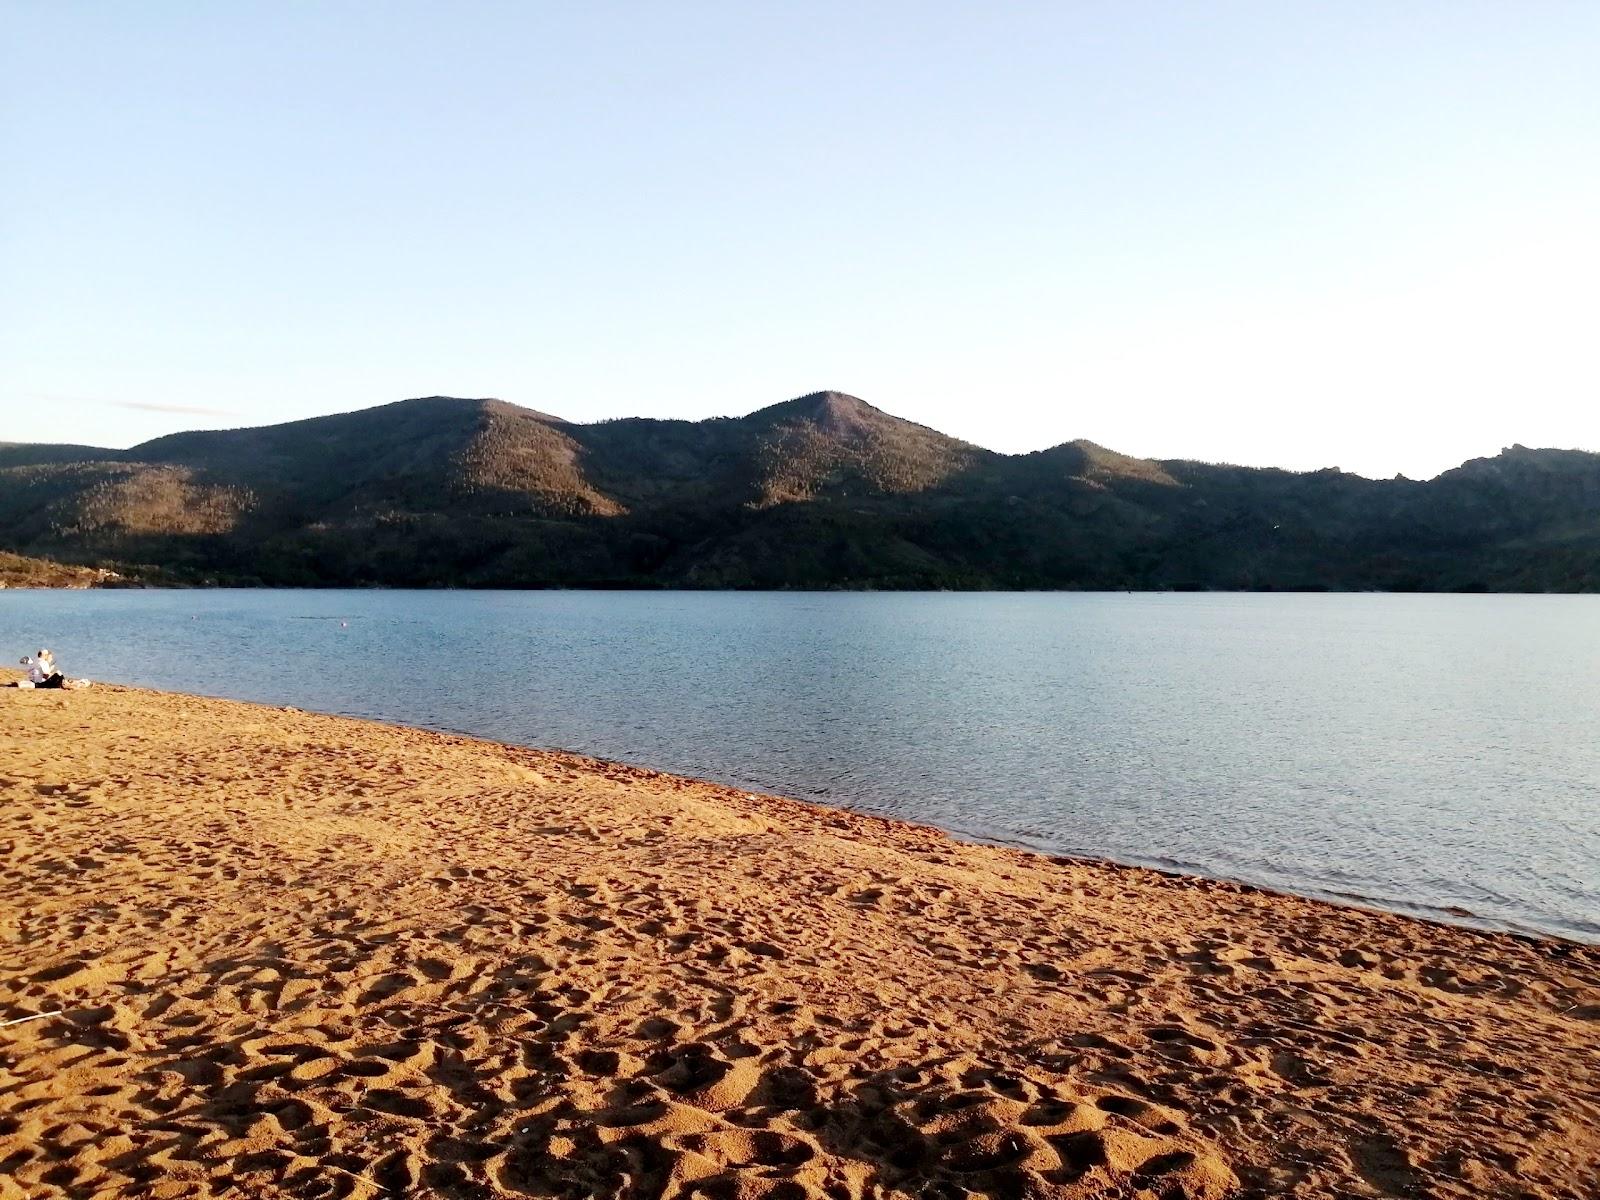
301,954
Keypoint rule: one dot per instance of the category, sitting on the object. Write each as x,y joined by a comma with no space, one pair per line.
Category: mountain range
824,491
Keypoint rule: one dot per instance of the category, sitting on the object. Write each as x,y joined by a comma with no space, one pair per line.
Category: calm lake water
1424,753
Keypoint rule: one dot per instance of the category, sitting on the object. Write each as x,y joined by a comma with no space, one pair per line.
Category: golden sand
296,955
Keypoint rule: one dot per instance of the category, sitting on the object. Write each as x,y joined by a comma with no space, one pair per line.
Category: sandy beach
297,955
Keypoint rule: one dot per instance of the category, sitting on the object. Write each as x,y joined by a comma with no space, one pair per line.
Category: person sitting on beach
42,672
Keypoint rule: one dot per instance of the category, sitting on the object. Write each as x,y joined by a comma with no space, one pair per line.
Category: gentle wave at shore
1433,754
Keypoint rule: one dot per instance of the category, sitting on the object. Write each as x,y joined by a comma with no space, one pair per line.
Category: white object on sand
32,1017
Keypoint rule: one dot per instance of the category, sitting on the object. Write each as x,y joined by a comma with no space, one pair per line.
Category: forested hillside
824,491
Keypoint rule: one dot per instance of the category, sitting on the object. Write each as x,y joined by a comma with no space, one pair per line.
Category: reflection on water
1419,752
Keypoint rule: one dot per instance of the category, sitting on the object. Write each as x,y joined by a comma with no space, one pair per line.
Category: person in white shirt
42,672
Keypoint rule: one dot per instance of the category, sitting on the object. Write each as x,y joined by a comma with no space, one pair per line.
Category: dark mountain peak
28,454
473,405
517,459
846,418
1084,459
424,454
1549,456
396,415
1521,461
435,402
834,444
835,404
835,413
506,408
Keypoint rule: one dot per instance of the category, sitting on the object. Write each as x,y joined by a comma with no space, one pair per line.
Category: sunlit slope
821,491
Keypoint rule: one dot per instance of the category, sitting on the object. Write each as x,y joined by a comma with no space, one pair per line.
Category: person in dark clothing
42,672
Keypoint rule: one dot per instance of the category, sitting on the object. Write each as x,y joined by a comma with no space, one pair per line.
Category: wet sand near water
297,955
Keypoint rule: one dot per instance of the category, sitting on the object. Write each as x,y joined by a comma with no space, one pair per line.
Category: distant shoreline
1459,918
126,584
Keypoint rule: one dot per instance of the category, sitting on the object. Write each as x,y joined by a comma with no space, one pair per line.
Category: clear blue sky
1302,234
